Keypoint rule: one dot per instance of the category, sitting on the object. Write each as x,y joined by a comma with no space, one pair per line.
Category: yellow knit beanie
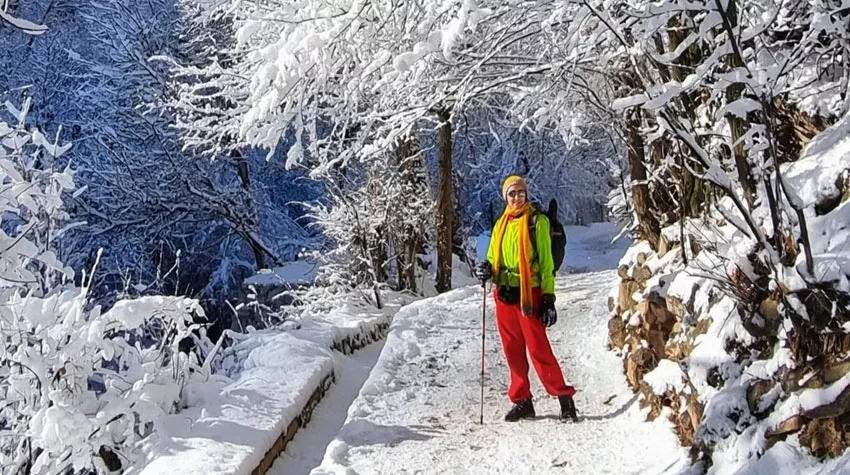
509,182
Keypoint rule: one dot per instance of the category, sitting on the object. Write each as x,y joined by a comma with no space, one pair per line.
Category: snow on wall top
229,426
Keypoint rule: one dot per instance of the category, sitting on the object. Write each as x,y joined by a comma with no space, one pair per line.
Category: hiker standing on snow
525,300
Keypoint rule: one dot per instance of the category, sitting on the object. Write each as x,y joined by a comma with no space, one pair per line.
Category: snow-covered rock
763,349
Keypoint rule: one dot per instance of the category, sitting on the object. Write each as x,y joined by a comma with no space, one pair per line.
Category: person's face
516,196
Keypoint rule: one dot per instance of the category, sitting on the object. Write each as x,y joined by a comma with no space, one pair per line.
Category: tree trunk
444,203
378,255
458,233
244,178
664,201
648,227
377,236
692,189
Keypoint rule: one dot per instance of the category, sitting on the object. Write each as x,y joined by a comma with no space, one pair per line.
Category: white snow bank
353,318
306,450
592,248
788,458
782,459
825,157
684,285
813,179
230,424
666,376
806,400
233,424
461,274
812,398
629,259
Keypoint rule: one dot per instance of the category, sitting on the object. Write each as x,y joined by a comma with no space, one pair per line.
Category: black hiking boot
568,409
521,410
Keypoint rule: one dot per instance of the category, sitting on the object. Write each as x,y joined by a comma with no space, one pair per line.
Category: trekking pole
483,327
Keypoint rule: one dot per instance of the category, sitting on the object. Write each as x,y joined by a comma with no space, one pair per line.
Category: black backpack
557,234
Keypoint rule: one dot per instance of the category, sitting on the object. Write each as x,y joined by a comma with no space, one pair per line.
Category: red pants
518,332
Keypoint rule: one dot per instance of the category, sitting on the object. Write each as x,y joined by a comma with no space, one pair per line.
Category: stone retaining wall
346,345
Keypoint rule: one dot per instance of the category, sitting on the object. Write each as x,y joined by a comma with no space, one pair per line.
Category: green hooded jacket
541,260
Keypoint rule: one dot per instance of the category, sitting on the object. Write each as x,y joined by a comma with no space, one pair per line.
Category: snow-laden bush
77,384
79,387
377,225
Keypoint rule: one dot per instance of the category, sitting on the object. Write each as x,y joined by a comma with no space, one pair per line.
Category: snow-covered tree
7,18
489,148
168,221
80,385
723,113
339,84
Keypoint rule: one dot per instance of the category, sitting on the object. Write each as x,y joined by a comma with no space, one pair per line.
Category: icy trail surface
418,411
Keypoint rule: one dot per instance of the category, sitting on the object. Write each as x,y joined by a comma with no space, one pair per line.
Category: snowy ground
418,411
589,248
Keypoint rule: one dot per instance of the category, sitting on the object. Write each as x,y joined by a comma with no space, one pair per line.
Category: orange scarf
523,214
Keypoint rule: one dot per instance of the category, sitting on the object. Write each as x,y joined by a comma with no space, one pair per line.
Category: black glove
484,271
547,314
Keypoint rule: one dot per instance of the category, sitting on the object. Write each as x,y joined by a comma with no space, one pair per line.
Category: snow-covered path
307,448
419,410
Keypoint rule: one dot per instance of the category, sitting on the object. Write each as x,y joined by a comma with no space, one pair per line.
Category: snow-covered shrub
79,386
376,224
